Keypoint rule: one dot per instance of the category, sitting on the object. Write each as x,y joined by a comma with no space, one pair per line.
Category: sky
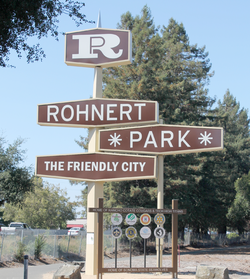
222,26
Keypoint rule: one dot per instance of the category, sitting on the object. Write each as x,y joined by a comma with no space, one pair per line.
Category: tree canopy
15,180
167,68
33,18
49,205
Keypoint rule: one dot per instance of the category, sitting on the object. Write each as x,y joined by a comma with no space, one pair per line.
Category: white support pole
95,190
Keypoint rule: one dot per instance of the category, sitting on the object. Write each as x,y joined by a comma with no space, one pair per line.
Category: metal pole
54,250
25,265
159,257
116,253
145,252
68,244
174,239
130,258
2,247
80,244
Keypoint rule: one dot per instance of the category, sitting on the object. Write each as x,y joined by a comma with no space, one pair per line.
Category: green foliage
239,212
15,180
40,243
168,69
233,236
21,249
49,206
23,19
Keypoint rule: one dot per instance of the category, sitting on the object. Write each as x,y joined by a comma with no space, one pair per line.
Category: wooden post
174,239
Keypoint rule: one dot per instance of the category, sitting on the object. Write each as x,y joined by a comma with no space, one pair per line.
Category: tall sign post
98,48
95,189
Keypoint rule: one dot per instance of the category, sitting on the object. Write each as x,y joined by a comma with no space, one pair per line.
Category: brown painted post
100,241
174,239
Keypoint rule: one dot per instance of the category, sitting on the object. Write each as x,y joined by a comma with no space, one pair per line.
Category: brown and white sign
98,47
98,113
96,167
162,139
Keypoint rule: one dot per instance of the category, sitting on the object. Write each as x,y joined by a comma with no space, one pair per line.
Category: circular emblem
131,232
145,219
145,232
131,219
159,232
159,219
116,219
117,232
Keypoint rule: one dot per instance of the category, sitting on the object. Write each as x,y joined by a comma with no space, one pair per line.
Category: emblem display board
162,139
96,167
131,233
98,47
98,112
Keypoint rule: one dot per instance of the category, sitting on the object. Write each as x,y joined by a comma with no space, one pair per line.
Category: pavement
47,271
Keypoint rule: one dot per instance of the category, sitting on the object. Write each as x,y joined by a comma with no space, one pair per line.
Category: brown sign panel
98,47
97,113
162,139
138,210
96,167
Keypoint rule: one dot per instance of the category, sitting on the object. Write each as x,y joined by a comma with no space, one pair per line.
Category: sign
116,219
117,232
145,219
162,139
145,232
159,219
90,238
141,210
97,113
98,47
131,233
96,167
159,232
131,219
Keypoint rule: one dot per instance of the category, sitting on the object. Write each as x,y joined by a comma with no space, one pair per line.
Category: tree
168,69
49,206
15,180
239,212
221,169
27,18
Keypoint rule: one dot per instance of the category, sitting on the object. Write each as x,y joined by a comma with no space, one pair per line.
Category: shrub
40,242
21,249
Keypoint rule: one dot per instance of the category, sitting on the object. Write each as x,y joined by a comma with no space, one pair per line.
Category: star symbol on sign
115,139
205,138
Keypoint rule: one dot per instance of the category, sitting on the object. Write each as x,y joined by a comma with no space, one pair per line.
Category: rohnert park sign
162,139
98,47
96,167
98,113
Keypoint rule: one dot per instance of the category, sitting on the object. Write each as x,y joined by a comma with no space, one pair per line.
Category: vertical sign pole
174,239
100,241
95,189
116,253
160,203
160,199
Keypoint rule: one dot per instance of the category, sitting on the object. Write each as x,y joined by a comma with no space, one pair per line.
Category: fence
212,240
58,244
61,245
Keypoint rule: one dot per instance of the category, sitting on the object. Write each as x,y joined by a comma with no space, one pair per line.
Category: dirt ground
236,259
